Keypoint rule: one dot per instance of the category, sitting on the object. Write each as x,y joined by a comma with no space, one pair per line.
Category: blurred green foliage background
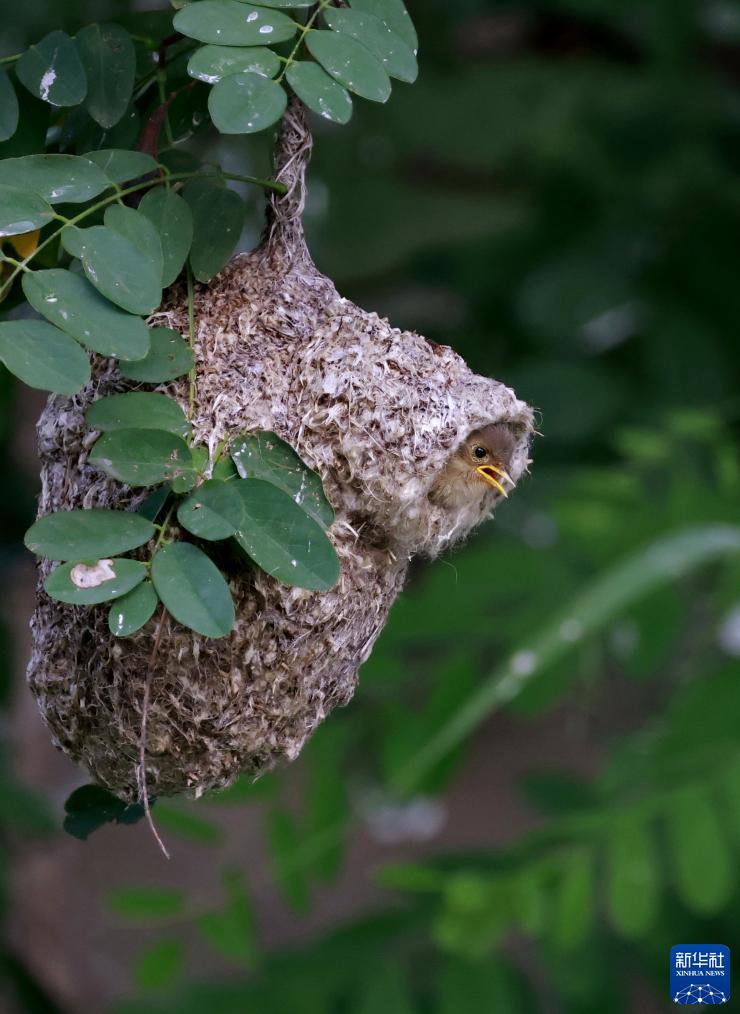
557,198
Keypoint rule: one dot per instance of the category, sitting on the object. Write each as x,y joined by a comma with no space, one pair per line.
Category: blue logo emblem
700,973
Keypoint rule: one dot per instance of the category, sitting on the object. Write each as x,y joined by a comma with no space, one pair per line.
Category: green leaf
145,903
351,64
91,806
632,876
71,302
87,584
218,219
230,23
22,211
138,410
397,58
246,103
395,15
52,71
696,842
160,964
386,990
109,59
142,457
211,63
59,179
187,824
193,589
282,539
116,268
122,166
142,233
184,483
132,611
231,932
43,357
293,4
319,92
169,357
9,109
172,218
213,511
573,911
266,456
87,534
151,507
285,841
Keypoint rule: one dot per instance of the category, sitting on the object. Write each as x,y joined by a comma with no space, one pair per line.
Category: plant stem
303,31
10,59
162,531
191,335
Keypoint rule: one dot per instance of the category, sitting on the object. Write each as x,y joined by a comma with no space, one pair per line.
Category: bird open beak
493,477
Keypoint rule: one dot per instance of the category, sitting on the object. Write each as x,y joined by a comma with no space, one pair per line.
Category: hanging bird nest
376,411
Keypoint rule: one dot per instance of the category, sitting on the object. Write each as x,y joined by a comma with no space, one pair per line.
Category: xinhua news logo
700,974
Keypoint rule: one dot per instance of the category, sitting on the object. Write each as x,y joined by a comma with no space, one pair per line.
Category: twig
142,741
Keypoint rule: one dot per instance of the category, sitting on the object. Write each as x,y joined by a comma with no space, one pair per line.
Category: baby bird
481,461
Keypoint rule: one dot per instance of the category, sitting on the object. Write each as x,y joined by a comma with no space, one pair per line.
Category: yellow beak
493,476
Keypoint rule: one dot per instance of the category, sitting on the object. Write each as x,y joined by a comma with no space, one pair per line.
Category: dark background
557,198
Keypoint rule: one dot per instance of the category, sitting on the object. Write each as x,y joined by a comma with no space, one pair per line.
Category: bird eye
480,452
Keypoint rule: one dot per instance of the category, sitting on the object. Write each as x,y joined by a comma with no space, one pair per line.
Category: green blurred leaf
160,964
464,986
395,55
285,842
143,904
133,610
351,64
173,221
319,92
188,825
169,357
9,109
385,991
231,931
75,307
51,70
573,902
227,22
193,589
246,103
121,166
218,218
697,845
141,457
43,357
138,410
22,211
88,584
633,876
109,59
213,511
211,63
116,268
88,533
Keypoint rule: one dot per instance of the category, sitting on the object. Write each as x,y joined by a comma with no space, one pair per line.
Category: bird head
482,460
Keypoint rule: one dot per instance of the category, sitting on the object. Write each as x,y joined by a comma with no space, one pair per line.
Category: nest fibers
375,410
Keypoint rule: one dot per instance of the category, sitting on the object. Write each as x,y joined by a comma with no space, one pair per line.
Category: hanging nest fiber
376,411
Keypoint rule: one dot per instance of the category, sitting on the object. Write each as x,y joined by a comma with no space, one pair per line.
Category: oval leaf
573,902
214,511
22,211
141,232
351,64
211,63
87,584
56,178
121,166
397,58
43,357
87,534
319,92
282,539
133,610
230,23
246,103
193,589
173,220
9,109
395,15
109,59
117,269
218,219
138,410
266,456
697,841
142,457
169,357
285,4
632,877
52,71
70,302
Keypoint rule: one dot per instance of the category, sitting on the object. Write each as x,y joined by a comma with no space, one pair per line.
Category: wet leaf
218,219
282,539
87,584
43,356
22,211
213,511
109,59
172,218
138,410
58,179
141,233
351,64
9,109
395,15
396,56
78,309
122,166
319,92
193,589
211,63
142,457
133,610
89,533
116,268
230,23
246,103
294,4
52,71
169,357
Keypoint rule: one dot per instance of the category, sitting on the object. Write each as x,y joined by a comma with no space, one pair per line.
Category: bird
480,462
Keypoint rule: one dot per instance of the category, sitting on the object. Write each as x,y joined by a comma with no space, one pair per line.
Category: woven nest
375,410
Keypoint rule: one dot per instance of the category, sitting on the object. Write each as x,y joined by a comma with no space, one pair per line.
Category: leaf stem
303,31
10,59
